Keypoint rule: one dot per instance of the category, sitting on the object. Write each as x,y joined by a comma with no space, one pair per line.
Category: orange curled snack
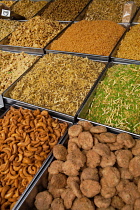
26,139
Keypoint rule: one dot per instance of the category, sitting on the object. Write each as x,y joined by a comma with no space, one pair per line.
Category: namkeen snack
105,10
8,3
26,139
117,99
130,45
7,26
97,169
59,82
36,32
92,37
64,10
12,65
28,8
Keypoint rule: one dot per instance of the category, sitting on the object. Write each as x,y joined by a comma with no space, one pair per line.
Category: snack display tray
91,56
83,110
55,115
9,100
114,51
35,51
27,202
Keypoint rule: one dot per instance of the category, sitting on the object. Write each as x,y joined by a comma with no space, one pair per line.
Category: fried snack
90,173
43,200
55,167
93,159
123,158
134,166
58,181
85,140
98,129
57,204
37,32
75,130
108,160
90,188
60,152
83,203
102,202
104,181
26,139
85,125
68,196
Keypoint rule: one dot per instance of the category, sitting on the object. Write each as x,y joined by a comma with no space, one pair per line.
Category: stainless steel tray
55,115
9,100
90,56
36,51
114,51
27,202
83,110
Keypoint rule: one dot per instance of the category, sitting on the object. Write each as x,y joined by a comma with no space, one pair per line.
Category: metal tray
40,184
54,115
90,56
114,51
9,100
83,110
36,51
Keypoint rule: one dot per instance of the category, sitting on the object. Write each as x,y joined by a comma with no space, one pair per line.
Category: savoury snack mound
105,10
92,37
58,82
12,65
100,188
117,99
130,45
36,32
8,3
7,26
64,9
28,8
26,139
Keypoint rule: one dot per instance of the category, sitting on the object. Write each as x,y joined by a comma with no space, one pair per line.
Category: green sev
117,99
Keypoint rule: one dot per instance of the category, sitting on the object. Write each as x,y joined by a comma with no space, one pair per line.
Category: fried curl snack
26,139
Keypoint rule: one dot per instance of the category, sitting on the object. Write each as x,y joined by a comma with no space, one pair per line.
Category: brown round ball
60,152
43,200
90,188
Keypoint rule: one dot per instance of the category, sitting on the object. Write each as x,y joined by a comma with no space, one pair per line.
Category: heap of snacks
7,27
58,82
130,45
36,32
117,99
12,65
92,37
26,139
28,8
64,10
98,170
8,3
105,10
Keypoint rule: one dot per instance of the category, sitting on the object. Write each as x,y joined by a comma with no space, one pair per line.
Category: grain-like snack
106,10
117,102
12,65
8,3
91,37
28,8
59,82
103,187
26,139
64,10
130,45
36,32
7,27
